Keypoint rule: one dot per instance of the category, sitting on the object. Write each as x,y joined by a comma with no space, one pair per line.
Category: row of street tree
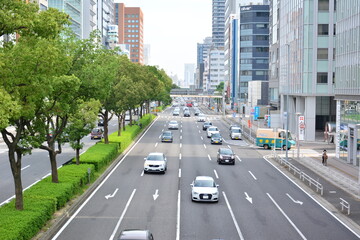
54,85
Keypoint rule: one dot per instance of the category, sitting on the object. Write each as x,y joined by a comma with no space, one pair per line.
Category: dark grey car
226,156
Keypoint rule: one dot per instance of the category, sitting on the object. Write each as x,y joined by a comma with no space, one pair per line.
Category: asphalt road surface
37,165
256,200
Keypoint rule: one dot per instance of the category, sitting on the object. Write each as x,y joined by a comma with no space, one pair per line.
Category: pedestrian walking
324,158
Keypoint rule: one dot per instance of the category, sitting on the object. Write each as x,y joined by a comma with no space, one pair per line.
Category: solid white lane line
178,217
209,157
180,156
25,167
216,175
233,217
122,215
101,184
156,144
252,175
46,175
287,218
179,172
238,158
204,146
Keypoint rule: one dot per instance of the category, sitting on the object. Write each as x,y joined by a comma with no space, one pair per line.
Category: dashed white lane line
287,218
180,137
202,138
238,158
179,172
216,175
180,145
25,167
199,131
252,175
233,217
142,173
229,146
156,144
204,146
209,157
179,156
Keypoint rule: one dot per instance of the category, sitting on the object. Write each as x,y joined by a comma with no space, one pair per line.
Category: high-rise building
105,17
216,68
254,55
218,22
89,18
130,21
307,42
202,53
347,77
189,75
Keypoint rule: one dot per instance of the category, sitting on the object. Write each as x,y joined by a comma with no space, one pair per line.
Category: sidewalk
337,171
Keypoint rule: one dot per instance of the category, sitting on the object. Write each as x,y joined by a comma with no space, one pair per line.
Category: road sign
301,127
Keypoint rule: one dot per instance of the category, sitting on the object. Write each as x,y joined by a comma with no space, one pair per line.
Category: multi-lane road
256,200
36,166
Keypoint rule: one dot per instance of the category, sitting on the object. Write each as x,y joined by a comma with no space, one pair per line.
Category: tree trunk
16,171
78,152
141,111
124,123
106,124
119,125
54,172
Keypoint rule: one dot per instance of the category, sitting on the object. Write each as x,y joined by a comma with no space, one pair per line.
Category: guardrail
302,175
345,204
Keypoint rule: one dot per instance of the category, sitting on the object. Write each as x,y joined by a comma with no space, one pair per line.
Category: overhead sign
301,128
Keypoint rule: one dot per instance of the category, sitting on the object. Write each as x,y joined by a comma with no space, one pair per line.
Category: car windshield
216,135
201,115
155,157
213,129
226,151
96,130
173,122
204,183
236,130
166,133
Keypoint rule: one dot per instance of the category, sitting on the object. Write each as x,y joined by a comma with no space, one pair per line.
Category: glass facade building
347,80
218,22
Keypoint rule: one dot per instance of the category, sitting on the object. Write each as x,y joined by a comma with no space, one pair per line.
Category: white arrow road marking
179,172
111,195
287,218
238,158
252,175
156,195
233,217
295,201
248,198
204,146
209,157
156,144
216,175
25,167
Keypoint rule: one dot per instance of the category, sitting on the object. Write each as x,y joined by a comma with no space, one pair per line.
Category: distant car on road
201,117
173,125
196,112
189,104
226,155
206,125
136,234
235,133
167,136
186,113
211,130
216,138
176,112
97,133
100,122
204,188
155,162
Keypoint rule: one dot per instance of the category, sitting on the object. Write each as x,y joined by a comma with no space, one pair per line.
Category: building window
323,5
262,26
260,73
246,61
323,29
262,14
322,53
262,37
246,26
262,49
248,49
262,61
243,84
245,38
322,78
246,73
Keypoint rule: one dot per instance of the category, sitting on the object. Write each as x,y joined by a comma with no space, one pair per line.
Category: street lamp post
297,135
287,101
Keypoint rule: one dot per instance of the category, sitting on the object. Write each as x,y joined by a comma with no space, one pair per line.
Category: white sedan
210,130
173,125
201,117
204,188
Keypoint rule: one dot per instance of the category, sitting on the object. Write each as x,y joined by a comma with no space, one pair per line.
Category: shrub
100,155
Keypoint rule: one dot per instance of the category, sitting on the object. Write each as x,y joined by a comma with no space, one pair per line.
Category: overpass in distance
191,93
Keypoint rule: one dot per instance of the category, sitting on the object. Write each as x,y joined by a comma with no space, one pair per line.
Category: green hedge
72,178
99,155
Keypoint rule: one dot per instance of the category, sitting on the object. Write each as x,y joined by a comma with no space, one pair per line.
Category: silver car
235,133
204,188
201,117
210,130
173,125
155,162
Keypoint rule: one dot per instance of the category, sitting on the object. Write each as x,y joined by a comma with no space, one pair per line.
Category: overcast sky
173,28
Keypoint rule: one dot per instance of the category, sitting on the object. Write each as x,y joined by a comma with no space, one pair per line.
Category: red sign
249,123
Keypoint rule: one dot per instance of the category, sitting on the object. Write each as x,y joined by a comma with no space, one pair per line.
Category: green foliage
100,155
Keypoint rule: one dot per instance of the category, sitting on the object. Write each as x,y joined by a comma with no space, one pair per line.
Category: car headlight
215,193
232,157
221,157
195,193
146,165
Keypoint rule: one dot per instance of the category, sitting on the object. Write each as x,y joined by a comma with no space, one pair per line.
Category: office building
202,53
89,18
130,21
105,17
218,22
189,75
254,56
216,68
347,79
147,54
306,63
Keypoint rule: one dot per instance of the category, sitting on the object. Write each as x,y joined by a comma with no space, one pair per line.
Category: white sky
173,28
